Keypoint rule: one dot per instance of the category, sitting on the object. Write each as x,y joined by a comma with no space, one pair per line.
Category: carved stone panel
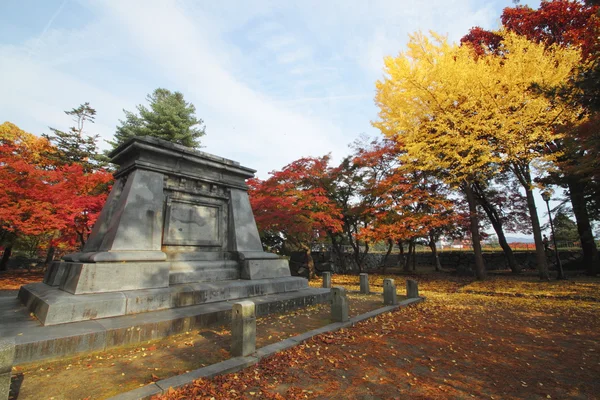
193,223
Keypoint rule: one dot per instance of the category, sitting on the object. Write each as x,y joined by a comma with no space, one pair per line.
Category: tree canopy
168,117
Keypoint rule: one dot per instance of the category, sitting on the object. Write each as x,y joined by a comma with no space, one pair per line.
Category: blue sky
273,80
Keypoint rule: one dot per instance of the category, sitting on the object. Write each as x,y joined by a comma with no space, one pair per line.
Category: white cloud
242,121
273,80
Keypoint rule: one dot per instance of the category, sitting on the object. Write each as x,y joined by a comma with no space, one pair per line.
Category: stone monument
176,230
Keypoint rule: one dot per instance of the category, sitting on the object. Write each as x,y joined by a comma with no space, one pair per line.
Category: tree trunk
436,257
338,250
414,257
49,256
5,257
524,176
496,222
310,263
407,259
389,250
400,253
588,245
474,222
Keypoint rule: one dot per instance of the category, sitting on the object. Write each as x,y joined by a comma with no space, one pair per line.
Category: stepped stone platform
35,341
56,306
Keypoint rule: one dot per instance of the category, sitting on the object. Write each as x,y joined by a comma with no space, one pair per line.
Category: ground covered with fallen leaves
104,374
504,338
15,278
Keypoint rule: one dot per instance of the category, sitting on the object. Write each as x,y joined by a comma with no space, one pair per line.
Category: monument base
36,342
53,306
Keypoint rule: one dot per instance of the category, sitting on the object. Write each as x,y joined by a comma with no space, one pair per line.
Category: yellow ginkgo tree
466,116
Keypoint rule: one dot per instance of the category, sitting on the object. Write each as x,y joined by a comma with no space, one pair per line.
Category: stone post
243,328
364,283
7,356
412,289
390,298
339,304
327,280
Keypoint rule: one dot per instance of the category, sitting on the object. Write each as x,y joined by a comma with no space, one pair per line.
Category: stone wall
462,261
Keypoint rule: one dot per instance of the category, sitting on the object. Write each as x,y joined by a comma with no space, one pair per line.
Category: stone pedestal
412,289
327,280
339,304
390,297
364,283
174,217
243,329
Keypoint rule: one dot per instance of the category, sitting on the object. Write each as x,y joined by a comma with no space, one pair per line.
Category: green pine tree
74,146
168,117
565,228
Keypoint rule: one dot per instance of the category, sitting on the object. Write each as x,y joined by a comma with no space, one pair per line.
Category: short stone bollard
412,289
339,304
390,298
7,357
327,280
364,283
243,328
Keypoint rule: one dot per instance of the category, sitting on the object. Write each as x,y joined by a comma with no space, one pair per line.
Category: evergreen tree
565,228
74,146
169,117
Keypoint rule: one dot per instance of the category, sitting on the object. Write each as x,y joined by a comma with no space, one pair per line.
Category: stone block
85,278
390,297
243,328
327,280
339,304
412,288
364,283
7,357
145,392
265,268
53,306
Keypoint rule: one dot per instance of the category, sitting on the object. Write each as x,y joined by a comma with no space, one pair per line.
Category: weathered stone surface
7,357
390,296
174,216
53,306
326,280
143,393
364,283
111,277
339,304
243,329
412,288
36,342
265,268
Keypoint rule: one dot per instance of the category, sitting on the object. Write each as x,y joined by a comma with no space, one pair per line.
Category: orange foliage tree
39,197
293,205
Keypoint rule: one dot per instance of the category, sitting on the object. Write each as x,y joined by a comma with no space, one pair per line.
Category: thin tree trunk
400,253
49,256
524,176
407,259
480,272
387,254
414,257
310,263
5,258
434,252
588,245
496,222
337,248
